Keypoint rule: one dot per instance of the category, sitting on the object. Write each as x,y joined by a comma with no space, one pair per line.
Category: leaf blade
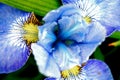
39,7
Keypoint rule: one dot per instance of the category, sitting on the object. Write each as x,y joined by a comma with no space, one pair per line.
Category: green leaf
39,7
116,35
98,54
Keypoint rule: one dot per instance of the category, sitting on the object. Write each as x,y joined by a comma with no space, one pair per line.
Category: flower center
87,19
30,28
73,71
31,33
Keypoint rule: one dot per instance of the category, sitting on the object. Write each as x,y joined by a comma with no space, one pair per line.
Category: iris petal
118,28
9,16
74,39
69,1
50,79
54,15
97,70
110,30
104,11
66,57
112,18
45,61
92,70
14,51
12,55
110,15
93,38
96,33
46,35
73,28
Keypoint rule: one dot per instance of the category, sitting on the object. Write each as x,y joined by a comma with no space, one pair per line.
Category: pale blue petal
96,70
45,62
93,39
93,36
51,16
69,1
54,15
47,36
71,12
84,1
65,57
110,15
104,11
73,28
87,50
13,49
96,33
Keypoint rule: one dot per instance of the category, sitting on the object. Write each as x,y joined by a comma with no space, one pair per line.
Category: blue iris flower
106,12
14,33
92,70
66,41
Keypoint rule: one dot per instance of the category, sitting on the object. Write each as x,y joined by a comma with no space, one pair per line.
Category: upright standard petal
72,28
54,15
96,70
18,29
47,36
93,38
46,63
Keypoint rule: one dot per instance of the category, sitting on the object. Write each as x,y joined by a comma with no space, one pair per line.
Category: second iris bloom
66,41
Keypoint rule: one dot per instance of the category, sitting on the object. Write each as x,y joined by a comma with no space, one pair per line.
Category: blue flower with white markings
18,29
66,41
92,70
106,12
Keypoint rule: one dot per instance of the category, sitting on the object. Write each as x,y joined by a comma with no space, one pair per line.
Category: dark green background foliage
108,54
